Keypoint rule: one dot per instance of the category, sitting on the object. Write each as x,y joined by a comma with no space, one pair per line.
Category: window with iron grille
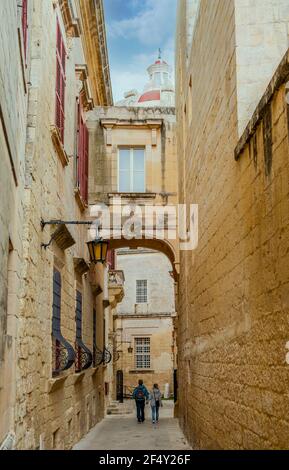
24,21
63,354
56,319
142,348
82,154
78,321
141,292
60,82
84,357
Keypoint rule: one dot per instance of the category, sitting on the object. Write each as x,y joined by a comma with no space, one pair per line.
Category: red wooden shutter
24,25
60,83
85,164
111,259
83,149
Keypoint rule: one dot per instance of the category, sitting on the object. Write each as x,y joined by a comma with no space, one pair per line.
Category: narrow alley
123,432
144,225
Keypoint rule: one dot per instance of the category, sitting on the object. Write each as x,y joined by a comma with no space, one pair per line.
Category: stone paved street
122,432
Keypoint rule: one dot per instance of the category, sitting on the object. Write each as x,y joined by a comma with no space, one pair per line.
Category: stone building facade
147,134
13,119
233,304
55,69
143,322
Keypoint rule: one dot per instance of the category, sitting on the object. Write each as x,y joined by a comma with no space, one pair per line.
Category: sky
135,30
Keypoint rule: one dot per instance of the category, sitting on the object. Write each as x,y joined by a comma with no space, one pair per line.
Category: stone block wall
13,112
53,412
233,305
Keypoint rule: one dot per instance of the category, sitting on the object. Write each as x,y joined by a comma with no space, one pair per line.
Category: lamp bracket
64,222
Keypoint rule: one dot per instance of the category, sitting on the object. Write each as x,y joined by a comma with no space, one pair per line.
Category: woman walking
155,401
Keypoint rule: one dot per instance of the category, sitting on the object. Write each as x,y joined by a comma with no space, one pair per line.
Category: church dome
159,90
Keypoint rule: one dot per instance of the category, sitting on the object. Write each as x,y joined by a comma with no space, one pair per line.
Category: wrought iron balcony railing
116,355
84,357
63,354
97,356
107,356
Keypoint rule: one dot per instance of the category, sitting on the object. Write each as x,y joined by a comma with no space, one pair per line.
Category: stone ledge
80,202
80,266
145,195
279,78
93,371
78,377
142,371
56,383
63,237
58,146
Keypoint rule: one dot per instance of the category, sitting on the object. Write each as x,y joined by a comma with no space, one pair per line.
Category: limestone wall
159,330
49,412
109,132
13,106
153,267
233,309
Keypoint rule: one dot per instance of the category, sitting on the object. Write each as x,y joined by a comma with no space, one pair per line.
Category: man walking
141,395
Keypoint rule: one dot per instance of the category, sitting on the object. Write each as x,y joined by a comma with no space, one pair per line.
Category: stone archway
163,246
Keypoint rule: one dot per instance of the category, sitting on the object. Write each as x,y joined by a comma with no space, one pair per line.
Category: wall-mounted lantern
97,250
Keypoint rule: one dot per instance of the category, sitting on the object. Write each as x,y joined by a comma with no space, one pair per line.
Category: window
24,21
56,320
78,320
83,355
60,82
131,166
141,292
82,155
142,347
63,354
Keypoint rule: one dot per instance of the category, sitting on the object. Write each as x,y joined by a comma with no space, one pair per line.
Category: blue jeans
140,405
155,413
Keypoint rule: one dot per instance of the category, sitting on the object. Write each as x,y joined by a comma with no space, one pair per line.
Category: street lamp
97,250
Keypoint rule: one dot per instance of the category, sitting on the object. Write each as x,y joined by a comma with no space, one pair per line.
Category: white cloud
151,26
134,74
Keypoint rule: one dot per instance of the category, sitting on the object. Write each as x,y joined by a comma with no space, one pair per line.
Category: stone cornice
71,24
95,50
280,77
82,76
137,123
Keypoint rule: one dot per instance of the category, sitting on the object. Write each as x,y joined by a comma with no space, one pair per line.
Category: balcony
116,278
116,282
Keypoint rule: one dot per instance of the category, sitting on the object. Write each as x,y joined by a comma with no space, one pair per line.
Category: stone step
117,412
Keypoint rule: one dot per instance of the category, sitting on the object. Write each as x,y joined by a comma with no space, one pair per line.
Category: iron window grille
107,356
141,292
63,354
142,353
83,358
97,353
